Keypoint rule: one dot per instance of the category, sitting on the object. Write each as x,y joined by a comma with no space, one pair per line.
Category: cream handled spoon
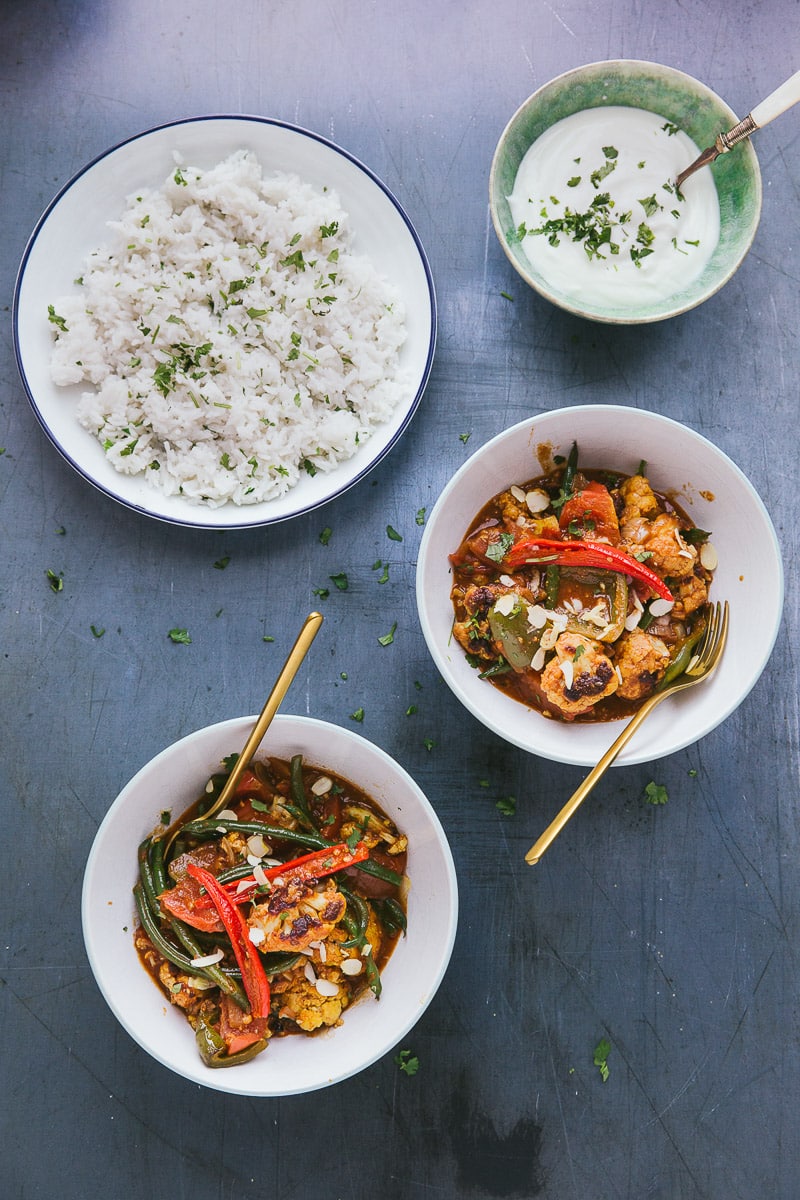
775,104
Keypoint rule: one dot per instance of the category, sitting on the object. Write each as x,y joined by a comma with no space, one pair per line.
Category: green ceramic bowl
678,98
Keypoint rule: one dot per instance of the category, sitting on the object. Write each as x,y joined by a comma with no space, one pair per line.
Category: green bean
356,918
161,879
146,874
226,983
208,829
684,656
391,915
300,801
567,478
162,945
370,867
552,579
166,949
240,871
277,961
570,470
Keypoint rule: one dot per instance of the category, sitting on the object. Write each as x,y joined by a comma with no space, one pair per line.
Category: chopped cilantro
56,581
222,563
407,1062
388,638
507,805
393,535
180,636
428,743
340,581
600,1058
98,633
322,593
56,320
420,517
358,715
498,550
325,535
464,437
655,793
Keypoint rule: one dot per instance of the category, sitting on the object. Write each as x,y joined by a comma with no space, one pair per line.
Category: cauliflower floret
661,539
641,660
640,499
579,676
691,595
303,1004
294,915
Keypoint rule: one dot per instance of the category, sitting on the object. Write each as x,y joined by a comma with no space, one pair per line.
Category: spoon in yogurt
776,103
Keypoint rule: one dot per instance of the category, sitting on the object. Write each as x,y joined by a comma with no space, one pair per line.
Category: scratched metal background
672,932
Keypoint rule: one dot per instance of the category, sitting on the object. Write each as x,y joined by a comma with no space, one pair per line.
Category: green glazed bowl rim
677,97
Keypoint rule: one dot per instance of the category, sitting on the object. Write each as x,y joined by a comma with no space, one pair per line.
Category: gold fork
701,665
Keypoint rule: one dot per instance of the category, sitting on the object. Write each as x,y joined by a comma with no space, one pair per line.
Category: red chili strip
254,977
315,865
584,554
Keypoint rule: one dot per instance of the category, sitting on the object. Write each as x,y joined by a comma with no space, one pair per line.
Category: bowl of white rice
224,322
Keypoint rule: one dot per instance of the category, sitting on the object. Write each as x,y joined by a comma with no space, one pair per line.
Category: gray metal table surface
668,931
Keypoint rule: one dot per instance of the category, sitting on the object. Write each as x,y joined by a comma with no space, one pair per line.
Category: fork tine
714,640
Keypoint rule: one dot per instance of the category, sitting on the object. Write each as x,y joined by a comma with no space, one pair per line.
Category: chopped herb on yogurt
602,235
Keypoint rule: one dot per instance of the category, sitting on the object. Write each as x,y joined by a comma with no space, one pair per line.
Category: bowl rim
305,729
482,711
194,517
537,283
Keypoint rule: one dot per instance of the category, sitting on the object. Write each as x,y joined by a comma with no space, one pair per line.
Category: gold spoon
701,666
310,629
775,104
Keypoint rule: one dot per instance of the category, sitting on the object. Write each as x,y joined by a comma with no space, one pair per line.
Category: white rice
233,338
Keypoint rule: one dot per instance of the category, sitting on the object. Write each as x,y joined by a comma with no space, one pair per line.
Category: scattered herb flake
498,550
420,517
55,580
181,636
98,633
322,593
464,437
222,563
507,805
428,743
407,1062
393,535
655,793
358,715
325,536
388,638
56,320
600,1057
340,581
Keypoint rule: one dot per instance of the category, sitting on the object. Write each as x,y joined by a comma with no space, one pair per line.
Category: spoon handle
777,102
579,795
298,652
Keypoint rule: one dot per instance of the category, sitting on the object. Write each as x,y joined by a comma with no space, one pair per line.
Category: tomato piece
238,1029
182,902
590,513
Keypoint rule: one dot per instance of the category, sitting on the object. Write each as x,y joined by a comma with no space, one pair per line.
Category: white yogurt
647,241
